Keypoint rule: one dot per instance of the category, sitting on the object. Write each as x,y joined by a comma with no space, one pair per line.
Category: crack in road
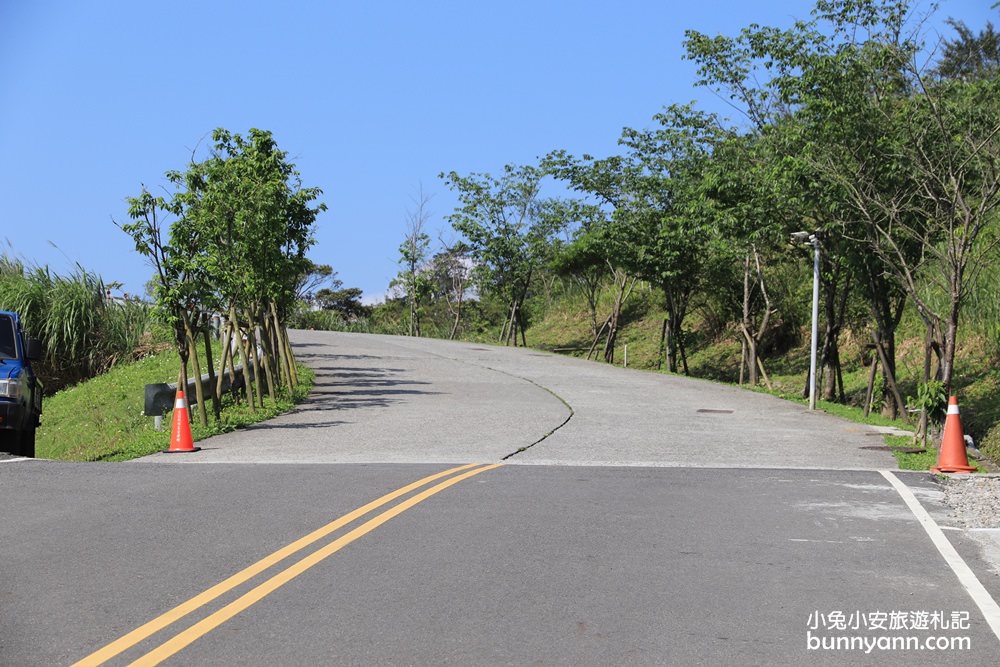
529,381
546,389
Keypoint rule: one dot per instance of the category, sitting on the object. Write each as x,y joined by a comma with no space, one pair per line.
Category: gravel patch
975,499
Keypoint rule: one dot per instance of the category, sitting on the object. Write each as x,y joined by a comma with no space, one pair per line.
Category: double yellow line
214,620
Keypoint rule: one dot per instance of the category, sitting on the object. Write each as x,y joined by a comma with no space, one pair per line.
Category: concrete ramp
401,399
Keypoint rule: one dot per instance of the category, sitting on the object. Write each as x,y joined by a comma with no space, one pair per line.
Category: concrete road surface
399,399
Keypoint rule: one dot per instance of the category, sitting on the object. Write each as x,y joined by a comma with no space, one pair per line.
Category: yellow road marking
160,622
203,627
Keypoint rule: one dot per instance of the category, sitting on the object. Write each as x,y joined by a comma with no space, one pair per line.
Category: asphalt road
635,519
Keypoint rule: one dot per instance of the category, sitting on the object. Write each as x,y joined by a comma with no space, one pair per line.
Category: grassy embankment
101,419
977,380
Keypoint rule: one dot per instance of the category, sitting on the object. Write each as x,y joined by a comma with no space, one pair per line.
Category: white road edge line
987,605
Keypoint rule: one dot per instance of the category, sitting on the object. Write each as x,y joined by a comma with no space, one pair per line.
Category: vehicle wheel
9,442
28,443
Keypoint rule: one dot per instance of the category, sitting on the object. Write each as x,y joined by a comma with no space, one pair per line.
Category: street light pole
805,238
815,322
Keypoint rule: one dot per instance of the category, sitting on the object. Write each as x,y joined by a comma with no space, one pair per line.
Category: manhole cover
887,448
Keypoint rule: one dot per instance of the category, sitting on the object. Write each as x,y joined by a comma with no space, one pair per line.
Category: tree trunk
625,287
512,324
931,349
753,277
597,338
663,344
683,352
590,292
247,361
458,317
249,348
870,391
743,358
834,307
609,344
267,360
523,326
292,364
890,378
668,343
750,343
209,362
509,330
288,356
672,338
198,389
182,381
281,343
893,404
227,341
887,311
752,354
950,342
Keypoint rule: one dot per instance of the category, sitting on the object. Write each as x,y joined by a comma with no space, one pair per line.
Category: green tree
927,189
969,57
344,300
313,278
949,140
179,286
414,279
740,178
242,224
737,181
772,75
609,184
508,239
835,87
584,259
901,162
667,218
450,272
245,207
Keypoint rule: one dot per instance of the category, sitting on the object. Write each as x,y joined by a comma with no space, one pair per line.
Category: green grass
915,461
101,419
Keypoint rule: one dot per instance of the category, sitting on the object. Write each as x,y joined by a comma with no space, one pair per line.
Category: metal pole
815,324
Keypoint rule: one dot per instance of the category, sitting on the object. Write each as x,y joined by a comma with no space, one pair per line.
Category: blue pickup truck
20,390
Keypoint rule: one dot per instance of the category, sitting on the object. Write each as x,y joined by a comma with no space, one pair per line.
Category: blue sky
371,100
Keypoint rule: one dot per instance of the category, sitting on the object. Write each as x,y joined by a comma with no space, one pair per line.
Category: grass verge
102,420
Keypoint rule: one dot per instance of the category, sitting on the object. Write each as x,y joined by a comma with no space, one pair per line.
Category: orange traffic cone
952,457
180,439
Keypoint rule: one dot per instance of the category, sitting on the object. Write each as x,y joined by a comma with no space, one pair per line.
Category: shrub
82,331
